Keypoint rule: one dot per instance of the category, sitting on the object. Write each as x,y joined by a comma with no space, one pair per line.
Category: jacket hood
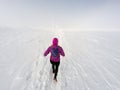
55,41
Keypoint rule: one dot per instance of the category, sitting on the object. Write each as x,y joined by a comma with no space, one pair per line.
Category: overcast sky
63,14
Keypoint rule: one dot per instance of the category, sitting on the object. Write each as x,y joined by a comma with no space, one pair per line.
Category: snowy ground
92,60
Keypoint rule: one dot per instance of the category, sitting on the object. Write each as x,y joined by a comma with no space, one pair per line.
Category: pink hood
55,42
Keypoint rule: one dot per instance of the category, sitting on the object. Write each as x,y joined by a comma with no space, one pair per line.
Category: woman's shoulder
59,47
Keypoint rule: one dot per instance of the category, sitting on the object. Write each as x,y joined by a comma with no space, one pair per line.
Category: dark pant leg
56,69
53,66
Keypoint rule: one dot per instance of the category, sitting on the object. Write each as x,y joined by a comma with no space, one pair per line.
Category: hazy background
92,60
69,15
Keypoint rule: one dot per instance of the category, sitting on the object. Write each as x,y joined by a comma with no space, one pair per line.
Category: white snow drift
92,60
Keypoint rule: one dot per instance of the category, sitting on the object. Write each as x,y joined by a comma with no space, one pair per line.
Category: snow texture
92,60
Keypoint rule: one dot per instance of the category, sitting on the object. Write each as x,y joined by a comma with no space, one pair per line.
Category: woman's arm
47,51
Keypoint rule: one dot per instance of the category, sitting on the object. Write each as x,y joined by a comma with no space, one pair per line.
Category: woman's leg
56,69
53,66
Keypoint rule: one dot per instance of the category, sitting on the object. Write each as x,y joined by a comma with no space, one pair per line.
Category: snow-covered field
92,60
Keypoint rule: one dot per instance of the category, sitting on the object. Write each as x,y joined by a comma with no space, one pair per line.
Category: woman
55,51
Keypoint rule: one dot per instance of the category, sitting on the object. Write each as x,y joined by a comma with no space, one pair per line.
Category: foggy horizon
67,15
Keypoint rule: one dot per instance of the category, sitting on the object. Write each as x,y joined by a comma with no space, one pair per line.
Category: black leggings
55,66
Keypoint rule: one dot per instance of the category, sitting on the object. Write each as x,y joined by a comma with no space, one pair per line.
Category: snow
92,60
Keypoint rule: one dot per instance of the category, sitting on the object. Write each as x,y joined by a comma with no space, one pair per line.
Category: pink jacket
60,51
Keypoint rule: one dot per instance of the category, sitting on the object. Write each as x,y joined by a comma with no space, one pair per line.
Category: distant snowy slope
92,60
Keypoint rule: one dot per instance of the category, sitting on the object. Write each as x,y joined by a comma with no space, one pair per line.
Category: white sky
65,14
